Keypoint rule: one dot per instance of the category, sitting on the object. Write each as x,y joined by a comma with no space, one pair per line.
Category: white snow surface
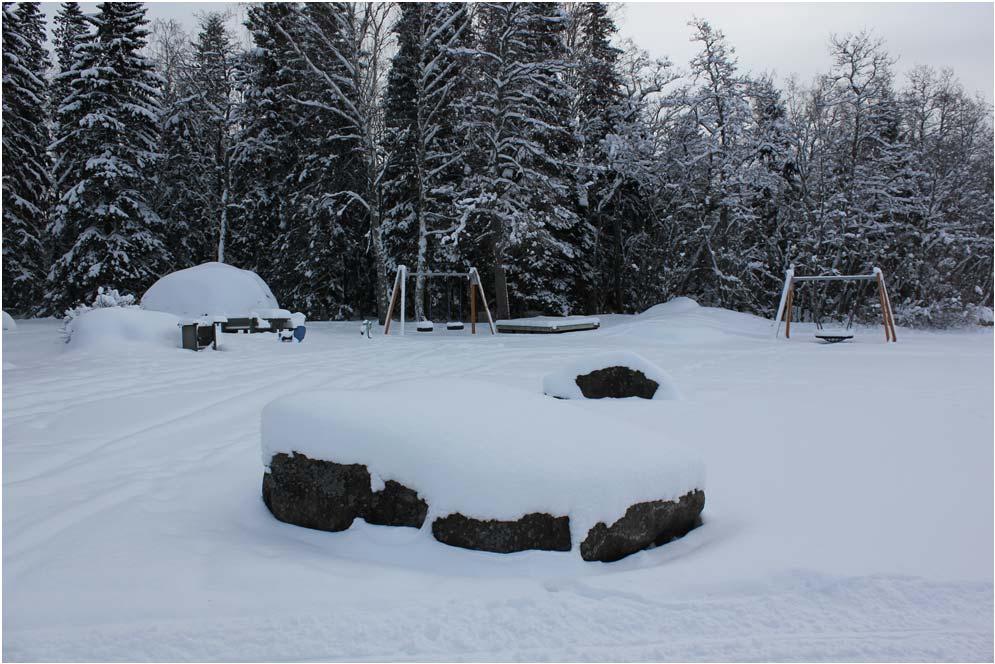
848,512
8,322
563,383
110,327
270,313
210,288
566,461
549,321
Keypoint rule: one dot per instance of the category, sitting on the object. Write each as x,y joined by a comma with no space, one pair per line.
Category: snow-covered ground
848,517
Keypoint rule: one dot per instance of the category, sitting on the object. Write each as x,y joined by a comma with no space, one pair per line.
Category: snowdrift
112,326
8,322
540,455
210,288
563,384
684,321
678,305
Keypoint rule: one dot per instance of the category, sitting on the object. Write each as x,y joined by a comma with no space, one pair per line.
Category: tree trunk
500,290
500,274
420,269
223,230
381,272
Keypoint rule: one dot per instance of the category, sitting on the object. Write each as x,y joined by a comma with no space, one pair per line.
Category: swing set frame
784,307
400,292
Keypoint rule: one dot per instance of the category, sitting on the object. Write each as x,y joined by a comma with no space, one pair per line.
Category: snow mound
683,321
563,383
677,305
210,288
8,322
112,326
539,455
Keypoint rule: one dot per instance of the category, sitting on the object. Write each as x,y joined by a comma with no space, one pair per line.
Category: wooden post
393,300
779,316
891,312
483,300
884,310
886,313
787,310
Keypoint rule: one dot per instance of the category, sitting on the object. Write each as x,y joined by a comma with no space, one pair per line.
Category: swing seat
454,325
834,336
426,326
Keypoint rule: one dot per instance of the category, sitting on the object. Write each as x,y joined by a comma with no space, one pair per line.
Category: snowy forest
576,172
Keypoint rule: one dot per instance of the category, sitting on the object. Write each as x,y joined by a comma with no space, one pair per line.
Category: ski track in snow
848,512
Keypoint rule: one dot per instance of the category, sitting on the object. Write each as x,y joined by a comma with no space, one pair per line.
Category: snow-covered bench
544,474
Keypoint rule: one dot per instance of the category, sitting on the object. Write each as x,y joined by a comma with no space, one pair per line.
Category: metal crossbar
839,277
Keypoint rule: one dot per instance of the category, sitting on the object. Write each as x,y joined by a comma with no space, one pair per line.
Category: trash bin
188,335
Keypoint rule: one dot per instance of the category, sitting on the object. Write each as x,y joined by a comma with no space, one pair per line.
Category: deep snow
848,516
110,327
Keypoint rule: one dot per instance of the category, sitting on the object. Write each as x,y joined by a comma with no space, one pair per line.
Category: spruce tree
197,129
560,259
264,151
599,107
322,242
26,171
71,30
519,128
108,130
426,163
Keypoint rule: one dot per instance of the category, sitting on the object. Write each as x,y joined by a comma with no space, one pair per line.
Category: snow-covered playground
849,511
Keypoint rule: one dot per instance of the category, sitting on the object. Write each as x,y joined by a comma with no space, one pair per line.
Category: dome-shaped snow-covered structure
211,288
8,322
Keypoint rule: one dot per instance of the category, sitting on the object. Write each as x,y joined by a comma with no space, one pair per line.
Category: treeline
578,175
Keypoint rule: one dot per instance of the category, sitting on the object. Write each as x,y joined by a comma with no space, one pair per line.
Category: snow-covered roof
213,289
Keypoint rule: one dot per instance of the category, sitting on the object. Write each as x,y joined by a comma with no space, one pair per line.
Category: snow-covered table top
486,451
549,322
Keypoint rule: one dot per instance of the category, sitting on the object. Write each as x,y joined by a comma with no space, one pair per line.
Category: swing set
786,305
474,286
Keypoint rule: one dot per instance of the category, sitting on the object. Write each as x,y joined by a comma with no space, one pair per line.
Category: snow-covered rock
8,322
535,456
210,288
616,374
112,326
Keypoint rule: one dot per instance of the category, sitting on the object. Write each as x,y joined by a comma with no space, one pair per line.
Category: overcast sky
792,38
785,38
